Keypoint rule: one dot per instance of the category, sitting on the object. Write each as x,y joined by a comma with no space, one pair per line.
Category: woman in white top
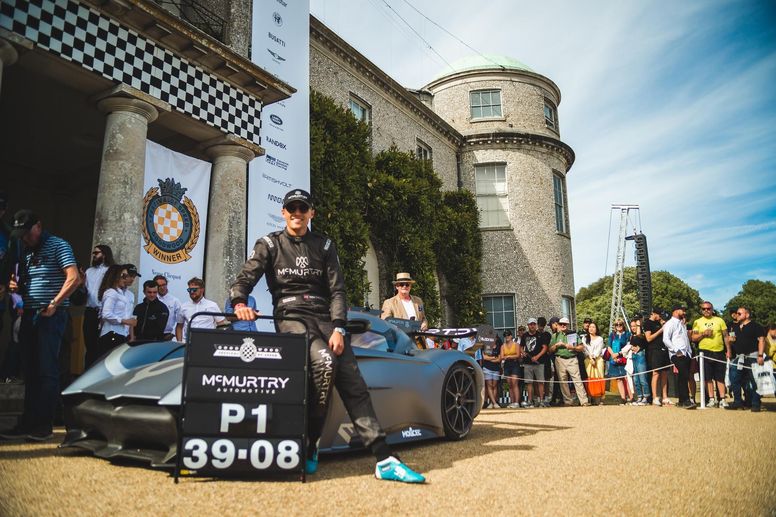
115,312
594,356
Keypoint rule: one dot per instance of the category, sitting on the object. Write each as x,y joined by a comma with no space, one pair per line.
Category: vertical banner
280,45
176,190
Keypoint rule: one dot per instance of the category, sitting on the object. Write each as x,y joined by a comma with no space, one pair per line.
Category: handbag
763,377
596,384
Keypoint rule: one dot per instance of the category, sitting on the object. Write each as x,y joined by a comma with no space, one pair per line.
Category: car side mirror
357,326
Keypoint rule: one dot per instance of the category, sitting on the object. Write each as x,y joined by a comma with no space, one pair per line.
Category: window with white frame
550,115
567,310
360,109
559,188
491,191
422,150
500,312
485,103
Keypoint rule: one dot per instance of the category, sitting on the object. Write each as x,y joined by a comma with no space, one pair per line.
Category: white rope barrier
597,379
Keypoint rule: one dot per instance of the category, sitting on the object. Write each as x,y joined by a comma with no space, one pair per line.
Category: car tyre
459,399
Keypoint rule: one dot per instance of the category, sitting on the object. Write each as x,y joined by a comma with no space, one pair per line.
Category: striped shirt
45,271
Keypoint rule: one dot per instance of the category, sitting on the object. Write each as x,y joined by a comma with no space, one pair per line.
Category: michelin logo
411,433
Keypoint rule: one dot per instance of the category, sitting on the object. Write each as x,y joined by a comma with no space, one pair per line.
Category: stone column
227,217
8,56
119,209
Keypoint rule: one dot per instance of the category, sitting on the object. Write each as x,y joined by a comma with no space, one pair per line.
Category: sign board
243,404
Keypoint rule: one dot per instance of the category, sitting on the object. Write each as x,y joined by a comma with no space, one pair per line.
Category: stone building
85,82
490,127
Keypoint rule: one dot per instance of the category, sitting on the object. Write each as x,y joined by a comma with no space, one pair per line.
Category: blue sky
668,105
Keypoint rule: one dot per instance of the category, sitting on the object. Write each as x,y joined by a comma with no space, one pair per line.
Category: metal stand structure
619,271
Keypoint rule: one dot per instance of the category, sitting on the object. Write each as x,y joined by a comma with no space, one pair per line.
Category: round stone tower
513,160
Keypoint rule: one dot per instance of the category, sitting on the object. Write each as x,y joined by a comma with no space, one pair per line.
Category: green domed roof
486,62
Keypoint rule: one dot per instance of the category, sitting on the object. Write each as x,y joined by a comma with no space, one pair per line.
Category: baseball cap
564,320
554,319
298,195
23,220
532,320
132,270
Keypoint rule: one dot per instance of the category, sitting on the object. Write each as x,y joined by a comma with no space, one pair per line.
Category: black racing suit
304,278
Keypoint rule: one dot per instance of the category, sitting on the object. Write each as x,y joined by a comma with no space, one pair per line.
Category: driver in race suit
304,277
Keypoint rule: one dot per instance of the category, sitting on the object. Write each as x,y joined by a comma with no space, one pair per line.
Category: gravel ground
556,461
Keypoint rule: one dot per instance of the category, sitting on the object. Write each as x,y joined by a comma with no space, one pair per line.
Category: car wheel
459,397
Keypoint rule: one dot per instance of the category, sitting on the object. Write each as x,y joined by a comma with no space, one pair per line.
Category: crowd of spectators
556,366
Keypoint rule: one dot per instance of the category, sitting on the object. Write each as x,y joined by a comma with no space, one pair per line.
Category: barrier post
703,380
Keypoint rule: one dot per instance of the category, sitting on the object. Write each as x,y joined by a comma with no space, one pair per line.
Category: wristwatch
341,331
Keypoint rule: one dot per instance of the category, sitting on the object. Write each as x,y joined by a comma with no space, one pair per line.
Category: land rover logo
276,120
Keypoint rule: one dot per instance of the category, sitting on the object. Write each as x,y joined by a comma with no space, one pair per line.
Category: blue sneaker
394,470
311,464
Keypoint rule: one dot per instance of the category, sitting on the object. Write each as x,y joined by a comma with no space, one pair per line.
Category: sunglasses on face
403,284
705,308
297,207
193,289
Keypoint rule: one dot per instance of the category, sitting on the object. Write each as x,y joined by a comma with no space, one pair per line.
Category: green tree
459,255
759,297
594,301
402,211
340,163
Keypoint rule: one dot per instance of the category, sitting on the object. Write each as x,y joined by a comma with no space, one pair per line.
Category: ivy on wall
340,163
394,199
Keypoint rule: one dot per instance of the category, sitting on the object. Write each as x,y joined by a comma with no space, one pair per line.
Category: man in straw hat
404,305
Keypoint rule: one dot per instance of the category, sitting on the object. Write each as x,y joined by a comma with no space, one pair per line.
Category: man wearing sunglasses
404,305
749,339
710,332
305,280
196,303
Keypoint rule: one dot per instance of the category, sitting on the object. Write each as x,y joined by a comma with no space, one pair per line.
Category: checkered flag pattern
168,222
80,34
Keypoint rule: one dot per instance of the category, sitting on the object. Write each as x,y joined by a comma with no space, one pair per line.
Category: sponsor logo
275,180
277,19
277,163
276,120
326,378
302,261
282,2
244,383
276,218
411,433
276,39
303,272
247,352
276,143
275,56
274,198
170,222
